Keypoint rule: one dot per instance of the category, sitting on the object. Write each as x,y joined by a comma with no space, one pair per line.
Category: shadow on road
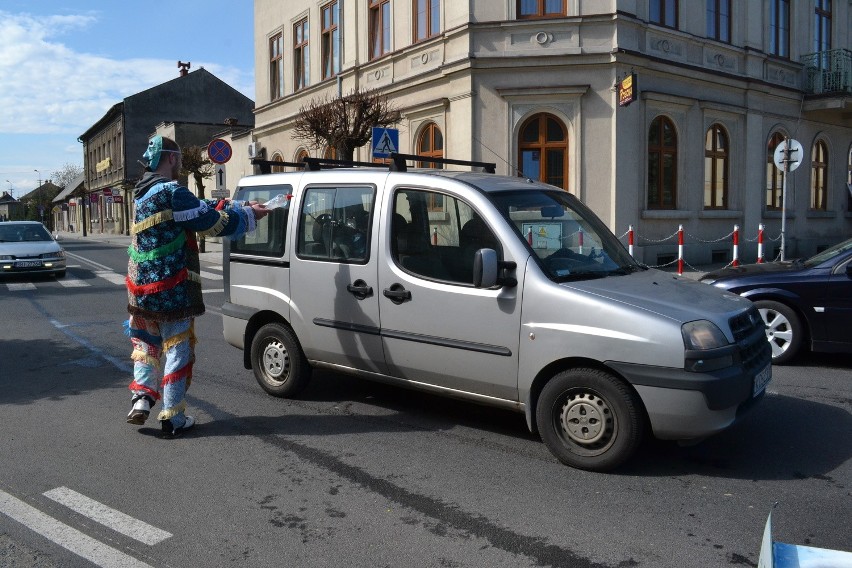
782,438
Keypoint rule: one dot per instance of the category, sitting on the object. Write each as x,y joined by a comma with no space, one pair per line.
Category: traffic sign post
787,157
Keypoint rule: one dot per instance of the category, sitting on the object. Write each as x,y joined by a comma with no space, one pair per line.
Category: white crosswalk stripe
107,516
69,282
65,536
19,286
113,277
210,275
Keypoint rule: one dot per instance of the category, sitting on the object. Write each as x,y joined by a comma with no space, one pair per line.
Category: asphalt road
361,474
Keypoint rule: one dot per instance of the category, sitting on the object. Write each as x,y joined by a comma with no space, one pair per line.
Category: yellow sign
627,90
103,165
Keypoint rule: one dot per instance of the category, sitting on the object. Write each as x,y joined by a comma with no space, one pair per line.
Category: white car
27,247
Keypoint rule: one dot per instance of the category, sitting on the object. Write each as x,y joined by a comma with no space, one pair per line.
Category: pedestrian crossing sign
385,141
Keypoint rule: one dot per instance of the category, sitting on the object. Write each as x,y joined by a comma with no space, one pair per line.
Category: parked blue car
803,302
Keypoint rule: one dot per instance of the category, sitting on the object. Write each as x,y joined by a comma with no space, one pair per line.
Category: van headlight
707,348
702,334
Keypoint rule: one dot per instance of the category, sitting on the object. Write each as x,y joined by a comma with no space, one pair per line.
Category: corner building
532,86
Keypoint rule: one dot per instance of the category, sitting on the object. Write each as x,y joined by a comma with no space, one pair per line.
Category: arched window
430,143
819,176
330,153
277,157
774,176
301,154
716,168
543,150
662,164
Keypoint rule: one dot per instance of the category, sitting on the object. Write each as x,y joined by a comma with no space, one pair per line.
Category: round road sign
219,151
795,158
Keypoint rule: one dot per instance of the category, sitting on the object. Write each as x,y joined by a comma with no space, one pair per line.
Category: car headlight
701,335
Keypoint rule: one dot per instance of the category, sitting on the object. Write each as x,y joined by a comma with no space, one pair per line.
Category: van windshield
569,241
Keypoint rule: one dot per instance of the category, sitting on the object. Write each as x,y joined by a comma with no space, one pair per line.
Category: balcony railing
828,72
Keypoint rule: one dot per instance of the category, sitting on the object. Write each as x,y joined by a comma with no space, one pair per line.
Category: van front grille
750,334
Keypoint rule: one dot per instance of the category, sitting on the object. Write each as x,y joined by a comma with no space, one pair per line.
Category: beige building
533,86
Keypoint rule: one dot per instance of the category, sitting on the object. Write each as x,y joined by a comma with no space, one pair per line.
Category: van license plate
761,380
27,264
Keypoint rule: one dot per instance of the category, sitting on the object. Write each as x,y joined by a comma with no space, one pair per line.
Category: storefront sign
117,199
627,90
93,198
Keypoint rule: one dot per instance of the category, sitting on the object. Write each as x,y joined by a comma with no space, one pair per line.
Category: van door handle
397,294
360,290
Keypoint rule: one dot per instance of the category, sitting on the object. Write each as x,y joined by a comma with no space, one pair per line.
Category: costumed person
164,282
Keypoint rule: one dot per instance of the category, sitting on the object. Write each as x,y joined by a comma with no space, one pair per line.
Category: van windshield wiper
583,276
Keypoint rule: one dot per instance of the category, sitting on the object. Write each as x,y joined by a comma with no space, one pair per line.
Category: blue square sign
385,141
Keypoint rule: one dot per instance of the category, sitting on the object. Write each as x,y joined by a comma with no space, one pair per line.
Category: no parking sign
219,151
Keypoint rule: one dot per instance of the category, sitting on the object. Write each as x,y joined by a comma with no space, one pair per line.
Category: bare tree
200,168
66,174
197,166
344,123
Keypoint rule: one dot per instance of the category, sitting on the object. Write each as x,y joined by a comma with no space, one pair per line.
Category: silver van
498,290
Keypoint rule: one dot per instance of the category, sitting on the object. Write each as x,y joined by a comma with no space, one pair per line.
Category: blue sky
65,63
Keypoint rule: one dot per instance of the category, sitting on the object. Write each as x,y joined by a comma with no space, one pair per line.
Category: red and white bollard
680,249
760,243
435,236
630,239
580,240
529,236
736,261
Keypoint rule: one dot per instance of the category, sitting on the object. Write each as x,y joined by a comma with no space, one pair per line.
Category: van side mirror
487,270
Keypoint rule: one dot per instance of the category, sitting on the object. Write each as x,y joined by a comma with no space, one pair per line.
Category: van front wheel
589,419
278,362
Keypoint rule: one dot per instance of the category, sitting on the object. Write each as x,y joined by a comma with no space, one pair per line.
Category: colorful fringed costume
164,284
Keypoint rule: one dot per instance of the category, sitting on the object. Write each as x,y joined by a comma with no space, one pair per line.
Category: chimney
184,67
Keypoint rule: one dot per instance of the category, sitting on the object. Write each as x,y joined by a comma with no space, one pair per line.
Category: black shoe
169,431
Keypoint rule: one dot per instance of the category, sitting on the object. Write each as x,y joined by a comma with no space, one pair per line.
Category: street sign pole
784,194
785,162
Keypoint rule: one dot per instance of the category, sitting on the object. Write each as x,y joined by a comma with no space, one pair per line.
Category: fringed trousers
166,346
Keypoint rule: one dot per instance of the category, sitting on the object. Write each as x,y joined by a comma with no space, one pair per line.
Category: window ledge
720,214
816,214
666,214
775,214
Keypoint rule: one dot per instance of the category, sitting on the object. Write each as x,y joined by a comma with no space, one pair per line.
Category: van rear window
270,237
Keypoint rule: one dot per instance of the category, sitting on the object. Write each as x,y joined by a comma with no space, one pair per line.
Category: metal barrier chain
713,241
659,240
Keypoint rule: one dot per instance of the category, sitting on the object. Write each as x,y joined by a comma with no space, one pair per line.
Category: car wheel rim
779,332
586,420
276,361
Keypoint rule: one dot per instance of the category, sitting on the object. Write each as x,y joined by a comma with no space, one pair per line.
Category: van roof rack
267,165
314,164
398,163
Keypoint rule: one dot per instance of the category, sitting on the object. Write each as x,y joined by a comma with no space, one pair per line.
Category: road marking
118,364
67,537
213,291
19,286
69,282
87,261
210,275
214,266
112,276
108,517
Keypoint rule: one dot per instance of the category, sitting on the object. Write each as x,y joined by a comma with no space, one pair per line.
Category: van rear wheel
589,419
278,362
